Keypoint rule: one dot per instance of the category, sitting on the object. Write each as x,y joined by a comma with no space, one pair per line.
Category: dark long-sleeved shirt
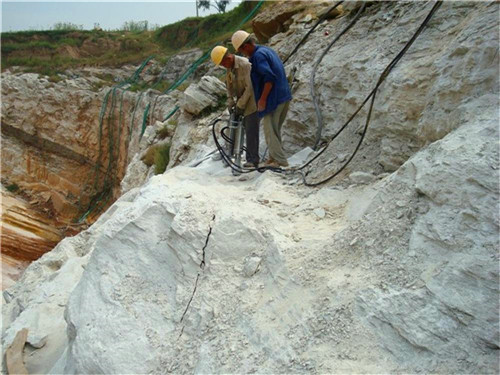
267,67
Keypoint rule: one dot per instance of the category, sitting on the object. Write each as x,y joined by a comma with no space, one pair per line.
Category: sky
42,15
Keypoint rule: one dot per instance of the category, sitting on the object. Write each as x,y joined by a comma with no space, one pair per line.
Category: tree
219,5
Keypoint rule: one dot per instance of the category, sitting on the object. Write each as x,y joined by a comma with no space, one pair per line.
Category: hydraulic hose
228,160
319,115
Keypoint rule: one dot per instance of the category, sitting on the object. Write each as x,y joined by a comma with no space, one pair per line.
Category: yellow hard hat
238,38
217,54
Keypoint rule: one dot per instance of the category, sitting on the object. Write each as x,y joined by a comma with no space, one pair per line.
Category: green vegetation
168,129
149,157
219,5
53,51
139,86
162,157
67,26
12,188
54,78
162,86
135,26
159,156
183,86
202,32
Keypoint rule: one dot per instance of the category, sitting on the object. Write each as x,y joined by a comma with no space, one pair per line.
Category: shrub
162,157
12,188
198,31
55,78
149,157
162,86
70,42
159,156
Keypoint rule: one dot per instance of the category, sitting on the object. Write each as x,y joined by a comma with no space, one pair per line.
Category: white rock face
456,239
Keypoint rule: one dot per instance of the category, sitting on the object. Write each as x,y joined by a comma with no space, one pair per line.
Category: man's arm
264,70
261,105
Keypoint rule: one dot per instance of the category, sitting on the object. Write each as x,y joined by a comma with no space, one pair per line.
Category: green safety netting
113,154
171,113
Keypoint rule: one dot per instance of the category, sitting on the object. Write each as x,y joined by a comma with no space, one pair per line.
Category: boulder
178,64
203,95
136,175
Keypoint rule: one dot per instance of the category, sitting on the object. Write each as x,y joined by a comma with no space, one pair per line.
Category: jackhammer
234,146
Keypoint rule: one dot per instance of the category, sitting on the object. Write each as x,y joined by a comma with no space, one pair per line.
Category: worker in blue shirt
271,90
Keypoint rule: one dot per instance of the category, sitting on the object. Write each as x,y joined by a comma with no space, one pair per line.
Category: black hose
319,115
372,95
227,139
228,160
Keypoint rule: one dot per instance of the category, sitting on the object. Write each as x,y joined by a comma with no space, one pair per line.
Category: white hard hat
217,54
238,38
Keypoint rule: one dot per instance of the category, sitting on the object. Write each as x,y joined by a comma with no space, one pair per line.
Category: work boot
270,163
249,164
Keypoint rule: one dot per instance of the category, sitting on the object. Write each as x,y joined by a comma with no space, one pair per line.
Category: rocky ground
282,278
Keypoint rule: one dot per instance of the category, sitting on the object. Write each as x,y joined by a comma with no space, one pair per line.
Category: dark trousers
251,123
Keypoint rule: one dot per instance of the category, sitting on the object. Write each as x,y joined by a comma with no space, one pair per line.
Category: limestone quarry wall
51,146
52,141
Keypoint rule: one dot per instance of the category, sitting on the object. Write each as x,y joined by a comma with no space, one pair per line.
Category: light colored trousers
272,123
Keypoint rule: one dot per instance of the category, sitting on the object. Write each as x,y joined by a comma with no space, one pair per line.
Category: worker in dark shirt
271,90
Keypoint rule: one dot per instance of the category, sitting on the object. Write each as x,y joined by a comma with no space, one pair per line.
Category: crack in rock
202,267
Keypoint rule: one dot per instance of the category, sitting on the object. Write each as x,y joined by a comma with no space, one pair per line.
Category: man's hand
238,111
261,105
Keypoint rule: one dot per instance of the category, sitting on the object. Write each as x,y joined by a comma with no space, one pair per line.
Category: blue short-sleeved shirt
267,67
